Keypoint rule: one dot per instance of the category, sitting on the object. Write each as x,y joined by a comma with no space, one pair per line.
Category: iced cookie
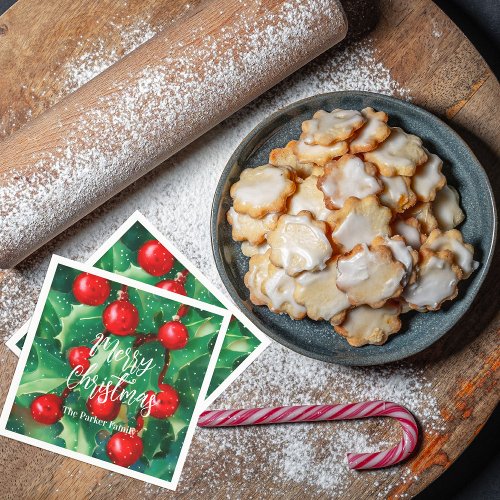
285,157
364,325
399,154
262,190
370,275
424,214
315,153
397,193
350,176
308,197
279,287
250,250
299,243
428,179
327,128
409,229
372,133
446,208
437,280
246,228
359,221
402,253
319,294
452,240
254,278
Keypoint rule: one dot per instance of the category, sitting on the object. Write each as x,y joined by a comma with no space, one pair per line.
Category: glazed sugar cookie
372,133
409,229
262,190
319,294
279,287
397,194
359,221
364,325
327,128
402,253
250,250
370,275
299,243
399,154
308,197
437,280
285,157
246,228
350,176
428,179
318,154
447,209
452,240
423,212
254,278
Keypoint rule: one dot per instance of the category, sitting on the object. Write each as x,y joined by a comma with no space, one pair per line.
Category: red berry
120,317
124,449
91,290
79,356
172,286
104,404
173,335
47,409
154,258
163,404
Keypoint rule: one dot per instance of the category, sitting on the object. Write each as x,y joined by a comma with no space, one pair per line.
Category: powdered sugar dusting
99,57
177,197
153,112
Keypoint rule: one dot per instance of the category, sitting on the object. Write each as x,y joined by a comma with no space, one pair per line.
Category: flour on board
174,198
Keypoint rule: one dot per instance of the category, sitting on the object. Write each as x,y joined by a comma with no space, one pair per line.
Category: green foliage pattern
66,323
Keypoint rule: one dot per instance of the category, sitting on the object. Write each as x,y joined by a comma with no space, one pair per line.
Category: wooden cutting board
442,71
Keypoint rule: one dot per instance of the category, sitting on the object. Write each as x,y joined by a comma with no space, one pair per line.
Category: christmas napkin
113,371
125,251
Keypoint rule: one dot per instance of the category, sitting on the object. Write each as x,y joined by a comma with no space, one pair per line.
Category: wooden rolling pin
143,109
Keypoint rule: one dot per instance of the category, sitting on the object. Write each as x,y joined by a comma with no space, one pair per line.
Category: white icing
446,208
355,229
326,128
308,197
349,178
301,245
399,150
408,232
317,153
463,255
436,282
395,192
260,187
279,288
320,293
427,177
370,130
402,253
366,266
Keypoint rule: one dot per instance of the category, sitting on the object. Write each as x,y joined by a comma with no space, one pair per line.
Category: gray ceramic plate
316,339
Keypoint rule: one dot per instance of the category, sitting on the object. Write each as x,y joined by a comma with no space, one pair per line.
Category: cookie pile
353,223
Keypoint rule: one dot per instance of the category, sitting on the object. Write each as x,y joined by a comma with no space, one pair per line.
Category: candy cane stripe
314,413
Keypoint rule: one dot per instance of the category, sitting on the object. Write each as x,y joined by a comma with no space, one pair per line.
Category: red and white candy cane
314,413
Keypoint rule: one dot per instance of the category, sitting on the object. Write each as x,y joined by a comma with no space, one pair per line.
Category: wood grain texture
162,96
427,55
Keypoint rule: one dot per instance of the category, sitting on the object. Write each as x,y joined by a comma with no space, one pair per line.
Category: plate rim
214,216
